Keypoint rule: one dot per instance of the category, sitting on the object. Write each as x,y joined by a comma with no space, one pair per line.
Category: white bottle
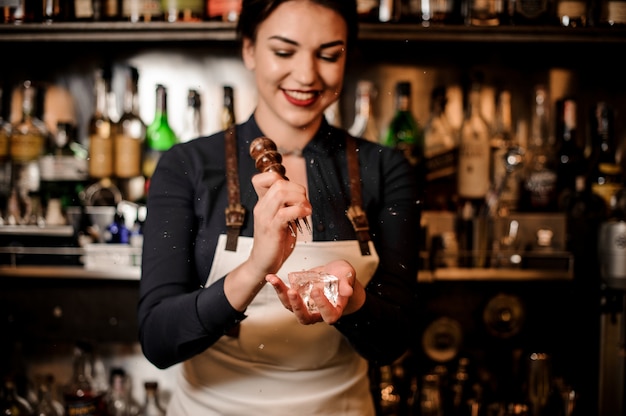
364,124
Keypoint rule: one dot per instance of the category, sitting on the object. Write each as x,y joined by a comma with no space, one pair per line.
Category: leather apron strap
355,212
235,212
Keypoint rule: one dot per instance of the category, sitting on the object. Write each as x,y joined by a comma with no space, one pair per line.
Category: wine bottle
100,134
572,13
364,124
159,135
192,121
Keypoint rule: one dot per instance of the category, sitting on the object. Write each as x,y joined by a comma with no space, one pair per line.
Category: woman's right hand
280,205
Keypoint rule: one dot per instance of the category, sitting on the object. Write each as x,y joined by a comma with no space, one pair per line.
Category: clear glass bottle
47,405
152,405
365,123
28,143
193,117
80,396
507,156
228,108
100,132
473,174
159,135
119,399
12,403
538,190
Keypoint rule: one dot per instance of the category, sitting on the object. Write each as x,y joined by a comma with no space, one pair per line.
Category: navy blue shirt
179,318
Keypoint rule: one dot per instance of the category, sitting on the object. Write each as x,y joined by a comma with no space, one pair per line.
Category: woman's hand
280,203
351,295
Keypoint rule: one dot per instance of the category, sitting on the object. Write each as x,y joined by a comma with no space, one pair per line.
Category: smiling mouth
301,95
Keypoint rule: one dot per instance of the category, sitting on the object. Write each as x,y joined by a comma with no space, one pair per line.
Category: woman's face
298,59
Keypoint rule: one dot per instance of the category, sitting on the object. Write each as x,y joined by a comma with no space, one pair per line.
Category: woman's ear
247,53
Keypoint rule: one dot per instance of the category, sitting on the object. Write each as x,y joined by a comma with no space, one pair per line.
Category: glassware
152,405
365,124
193,117
159,135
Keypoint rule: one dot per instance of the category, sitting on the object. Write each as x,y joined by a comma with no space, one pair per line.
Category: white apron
277,366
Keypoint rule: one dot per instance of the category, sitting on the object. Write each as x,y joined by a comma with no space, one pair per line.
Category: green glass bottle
159,135
406,134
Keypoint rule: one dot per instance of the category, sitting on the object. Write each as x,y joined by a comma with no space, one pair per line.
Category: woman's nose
305,70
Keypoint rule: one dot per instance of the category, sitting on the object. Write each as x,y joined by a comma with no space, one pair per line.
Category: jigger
267,159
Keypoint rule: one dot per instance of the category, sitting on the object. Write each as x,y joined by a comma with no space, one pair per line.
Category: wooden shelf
164,32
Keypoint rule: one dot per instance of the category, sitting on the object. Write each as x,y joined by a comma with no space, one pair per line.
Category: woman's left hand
351,295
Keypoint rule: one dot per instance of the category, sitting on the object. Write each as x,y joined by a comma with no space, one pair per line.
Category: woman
248,347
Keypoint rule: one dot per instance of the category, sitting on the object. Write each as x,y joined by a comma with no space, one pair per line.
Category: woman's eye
283,54
330,57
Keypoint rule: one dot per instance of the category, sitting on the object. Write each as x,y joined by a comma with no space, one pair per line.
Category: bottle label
100,157
127,156
531,9
63,168
26,147
572,8
541,186
616,12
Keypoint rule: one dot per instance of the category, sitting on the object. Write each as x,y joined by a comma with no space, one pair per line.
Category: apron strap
235,212
355,212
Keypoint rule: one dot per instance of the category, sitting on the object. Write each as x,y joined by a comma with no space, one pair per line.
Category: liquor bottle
27,146
100,132
605,174
389,11
159,135
223,10
367,10
507,157
192,123
440,154
152,405
570,156
80,396
484,12
473,174
119,399
142,10
183,10
129,132
364,124
11,403
405,134
5,160
572,13
433,12
47,405
84,10
538,190
228,108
